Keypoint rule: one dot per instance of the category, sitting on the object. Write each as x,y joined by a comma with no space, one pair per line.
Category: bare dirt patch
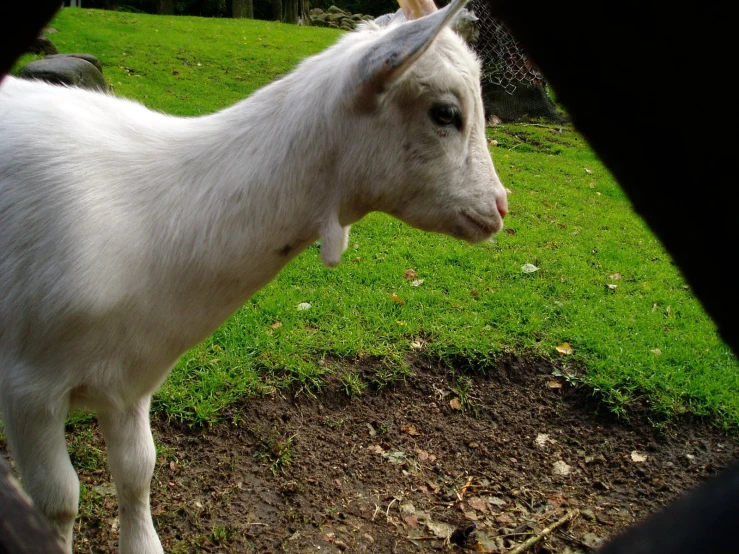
438,462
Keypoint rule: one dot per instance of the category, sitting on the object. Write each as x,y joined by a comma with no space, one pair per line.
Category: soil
439,462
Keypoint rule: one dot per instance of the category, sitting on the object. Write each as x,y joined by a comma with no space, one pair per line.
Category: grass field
604,285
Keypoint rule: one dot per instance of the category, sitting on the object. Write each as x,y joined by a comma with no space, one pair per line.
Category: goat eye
446,114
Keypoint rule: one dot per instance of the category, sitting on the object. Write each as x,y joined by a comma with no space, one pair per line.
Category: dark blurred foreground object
647,83
703,521
23,530
22,23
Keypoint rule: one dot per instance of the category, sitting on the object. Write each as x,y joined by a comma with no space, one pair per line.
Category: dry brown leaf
410,274
638,457
554,384
455,404
423,456
409,429
561,468
564,349
277,325
477,503
395,298
441,530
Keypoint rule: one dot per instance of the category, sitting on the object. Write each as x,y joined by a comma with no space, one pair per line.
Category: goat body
127,236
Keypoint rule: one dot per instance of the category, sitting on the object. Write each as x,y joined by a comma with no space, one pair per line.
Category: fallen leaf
439,529
423,456
561,468
656,352
510,231
615,276
455,404
554,384
397,457
564,349
493,142
276,325
410,429
542,439
612,286
529,268
377,449
495,501
372,431
408,513
395,298
588,171
304,306
107,489
477,503
417,283
410,274
638,457
417,344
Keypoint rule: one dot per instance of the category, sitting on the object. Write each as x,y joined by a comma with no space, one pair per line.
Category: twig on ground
523,547
466,486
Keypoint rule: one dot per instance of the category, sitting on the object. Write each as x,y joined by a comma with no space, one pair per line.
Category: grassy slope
647,338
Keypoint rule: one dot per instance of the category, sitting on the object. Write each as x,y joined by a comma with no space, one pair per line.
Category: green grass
647,340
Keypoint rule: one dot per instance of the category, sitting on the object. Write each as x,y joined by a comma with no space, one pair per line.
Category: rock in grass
66,70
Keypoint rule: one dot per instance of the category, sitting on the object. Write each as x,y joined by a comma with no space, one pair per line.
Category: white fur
128,236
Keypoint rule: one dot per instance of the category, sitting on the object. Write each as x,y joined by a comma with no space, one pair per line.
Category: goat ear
391,55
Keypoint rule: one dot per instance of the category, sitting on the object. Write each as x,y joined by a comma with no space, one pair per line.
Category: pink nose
502,203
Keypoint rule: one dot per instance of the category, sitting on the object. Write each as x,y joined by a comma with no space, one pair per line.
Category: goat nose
502,203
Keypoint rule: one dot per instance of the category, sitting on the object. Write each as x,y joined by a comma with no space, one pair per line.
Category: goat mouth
483,225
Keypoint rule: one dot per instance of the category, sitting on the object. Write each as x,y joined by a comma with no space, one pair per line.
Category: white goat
123,251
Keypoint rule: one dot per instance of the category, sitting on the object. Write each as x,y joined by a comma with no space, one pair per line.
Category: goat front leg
35,431
131,459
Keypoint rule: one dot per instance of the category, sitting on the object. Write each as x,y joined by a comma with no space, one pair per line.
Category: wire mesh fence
513,87
504,63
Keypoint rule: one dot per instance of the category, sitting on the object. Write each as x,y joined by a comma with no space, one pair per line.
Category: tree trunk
165,7
291,11
304,8
277,10
243,8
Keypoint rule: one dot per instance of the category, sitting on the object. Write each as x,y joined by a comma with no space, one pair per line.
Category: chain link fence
513,87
